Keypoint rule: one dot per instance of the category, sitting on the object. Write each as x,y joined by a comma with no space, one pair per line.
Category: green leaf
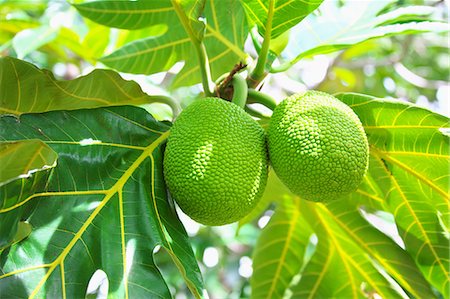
23,231
409,159
339,268
224,35
20,159
30,89
105,207
25,169
226,31
407,178
279,253
283,14
141,14
330,31
127,14
397,263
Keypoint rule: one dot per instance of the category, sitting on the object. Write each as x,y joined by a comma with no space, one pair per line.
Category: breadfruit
317,146
215,162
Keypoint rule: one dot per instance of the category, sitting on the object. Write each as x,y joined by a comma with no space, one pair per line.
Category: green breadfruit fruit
317,146
215,163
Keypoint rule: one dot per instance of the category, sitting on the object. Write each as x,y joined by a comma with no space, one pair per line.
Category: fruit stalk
255,96
256,113
240,90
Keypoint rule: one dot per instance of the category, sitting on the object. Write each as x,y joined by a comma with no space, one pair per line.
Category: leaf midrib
116,188
363,244
427,241
124,11
378,154
292,224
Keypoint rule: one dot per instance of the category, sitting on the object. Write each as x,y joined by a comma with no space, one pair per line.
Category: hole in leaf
98,285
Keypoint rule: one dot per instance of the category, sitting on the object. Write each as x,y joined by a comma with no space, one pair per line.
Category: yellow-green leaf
409,161
280,14
280,250
224,33
26,89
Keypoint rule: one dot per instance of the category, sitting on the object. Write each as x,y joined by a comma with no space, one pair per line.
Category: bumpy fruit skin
317,146
215,163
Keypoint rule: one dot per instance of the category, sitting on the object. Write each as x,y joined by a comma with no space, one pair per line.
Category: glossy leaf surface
105,207
25,168
280,251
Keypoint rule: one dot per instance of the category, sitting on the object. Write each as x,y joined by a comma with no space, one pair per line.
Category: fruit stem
255,96
239,91
223,81
260,69
253,112
176,109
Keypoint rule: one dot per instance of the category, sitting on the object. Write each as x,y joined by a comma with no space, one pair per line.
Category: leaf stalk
260,69
202,55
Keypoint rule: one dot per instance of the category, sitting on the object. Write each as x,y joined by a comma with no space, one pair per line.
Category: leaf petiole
204,67
202,55
255,41
283,67
260,69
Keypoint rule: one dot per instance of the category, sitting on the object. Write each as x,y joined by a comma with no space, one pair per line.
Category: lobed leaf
104,207
409,159
408,177
339,268
20,159
397,263
223,33
31,90
226,31
281,15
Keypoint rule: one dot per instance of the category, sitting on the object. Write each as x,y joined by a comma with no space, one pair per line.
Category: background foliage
81,185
